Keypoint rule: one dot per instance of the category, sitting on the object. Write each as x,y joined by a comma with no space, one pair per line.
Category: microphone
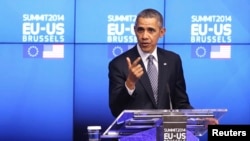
169,96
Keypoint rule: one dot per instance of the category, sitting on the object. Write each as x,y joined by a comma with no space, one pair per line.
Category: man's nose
145,35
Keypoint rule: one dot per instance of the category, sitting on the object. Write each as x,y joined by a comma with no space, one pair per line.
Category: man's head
148,29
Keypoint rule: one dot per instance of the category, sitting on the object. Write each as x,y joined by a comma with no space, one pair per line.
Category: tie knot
150,57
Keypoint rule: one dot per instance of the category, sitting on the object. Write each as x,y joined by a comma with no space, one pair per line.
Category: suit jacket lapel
163,77
144,80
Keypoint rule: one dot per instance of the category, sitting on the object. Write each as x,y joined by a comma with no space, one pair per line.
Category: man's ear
163,31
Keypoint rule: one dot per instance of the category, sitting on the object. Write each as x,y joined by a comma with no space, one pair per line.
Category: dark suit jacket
171,81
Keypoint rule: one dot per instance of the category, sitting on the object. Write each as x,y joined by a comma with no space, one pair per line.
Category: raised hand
135,72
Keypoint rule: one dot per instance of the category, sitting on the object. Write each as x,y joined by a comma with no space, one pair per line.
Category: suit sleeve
118,94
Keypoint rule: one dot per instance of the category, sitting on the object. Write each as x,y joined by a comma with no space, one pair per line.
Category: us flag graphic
211,51
45,51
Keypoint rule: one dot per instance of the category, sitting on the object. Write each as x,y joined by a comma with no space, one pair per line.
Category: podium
161,125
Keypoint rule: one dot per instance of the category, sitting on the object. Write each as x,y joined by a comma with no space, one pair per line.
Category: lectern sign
174,134
174,127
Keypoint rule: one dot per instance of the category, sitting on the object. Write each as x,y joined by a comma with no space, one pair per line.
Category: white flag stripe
224,52
57,52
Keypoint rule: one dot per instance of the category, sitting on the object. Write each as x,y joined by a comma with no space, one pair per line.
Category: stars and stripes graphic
53,51
220,51
211,51
46,51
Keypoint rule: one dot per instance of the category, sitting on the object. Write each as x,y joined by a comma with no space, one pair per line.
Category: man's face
148,31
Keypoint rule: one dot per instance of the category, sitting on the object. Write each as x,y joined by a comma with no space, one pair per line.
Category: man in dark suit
129,83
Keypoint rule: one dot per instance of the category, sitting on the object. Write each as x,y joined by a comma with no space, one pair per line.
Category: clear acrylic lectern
161,125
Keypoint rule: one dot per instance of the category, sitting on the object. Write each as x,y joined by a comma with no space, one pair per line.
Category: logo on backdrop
43,28
211,29
46,51
120,29
115,50
211,51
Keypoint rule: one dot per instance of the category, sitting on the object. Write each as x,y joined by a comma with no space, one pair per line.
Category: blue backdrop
54,59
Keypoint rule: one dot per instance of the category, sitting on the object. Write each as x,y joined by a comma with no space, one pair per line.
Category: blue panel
91,88
218,82
37,21
36,101
212,21
111,22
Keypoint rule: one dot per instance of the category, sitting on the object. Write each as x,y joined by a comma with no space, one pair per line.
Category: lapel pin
164,64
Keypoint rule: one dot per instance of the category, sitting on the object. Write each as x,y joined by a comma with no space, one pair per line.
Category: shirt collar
144,55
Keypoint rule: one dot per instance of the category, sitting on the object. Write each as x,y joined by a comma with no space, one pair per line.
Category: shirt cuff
130,92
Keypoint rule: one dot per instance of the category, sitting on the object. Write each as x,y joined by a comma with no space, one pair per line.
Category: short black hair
150,13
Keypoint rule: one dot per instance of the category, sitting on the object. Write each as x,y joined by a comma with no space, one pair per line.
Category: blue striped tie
153,76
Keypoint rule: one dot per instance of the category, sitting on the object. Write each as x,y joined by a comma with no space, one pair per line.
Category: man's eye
140,29
151,30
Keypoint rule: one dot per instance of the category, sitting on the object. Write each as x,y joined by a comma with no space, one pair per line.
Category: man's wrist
130,85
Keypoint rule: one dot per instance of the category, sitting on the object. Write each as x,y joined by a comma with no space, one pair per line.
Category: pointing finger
128,62
135,63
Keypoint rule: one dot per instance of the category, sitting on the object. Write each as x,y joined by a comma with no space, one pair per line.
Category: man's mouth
145,44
